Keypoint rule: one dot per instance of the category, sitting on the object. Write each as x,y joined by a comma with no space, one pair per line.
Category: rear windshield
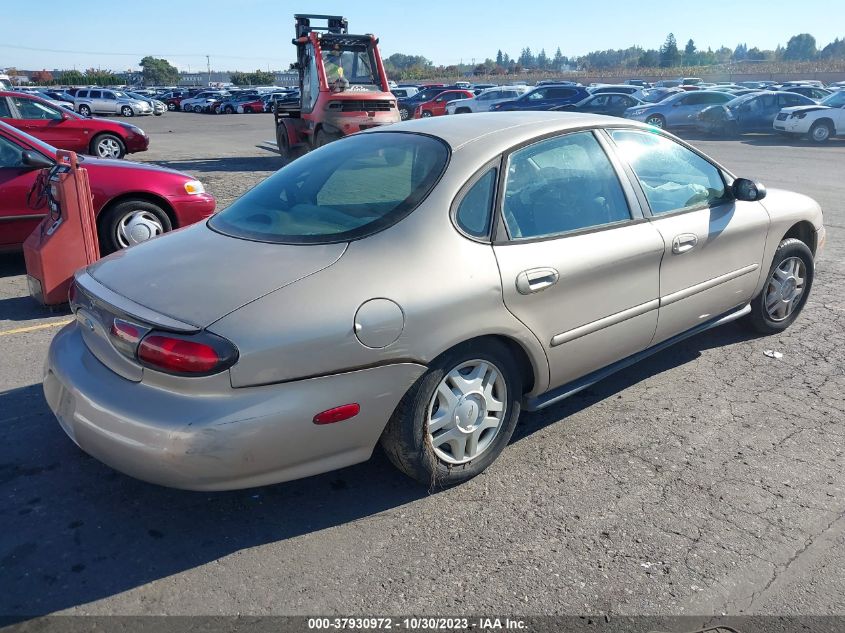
349,189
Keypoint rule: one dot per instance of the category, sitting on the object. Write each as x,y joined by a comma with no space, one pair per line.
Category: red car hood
94,164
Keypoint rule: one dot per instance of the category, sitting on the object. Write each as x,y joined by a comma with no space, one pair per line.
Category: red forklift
342,85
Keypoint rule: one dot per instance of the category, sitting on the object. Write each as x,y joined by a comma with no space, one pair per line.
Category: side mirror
65,116
34,160
748,190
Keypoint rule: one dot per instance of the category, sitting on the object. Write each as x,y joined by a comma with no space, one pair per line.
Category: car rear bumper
223,440
192,208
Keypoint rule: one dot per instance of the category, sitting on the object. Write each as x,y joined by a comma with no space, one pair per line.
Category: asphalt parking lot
705,480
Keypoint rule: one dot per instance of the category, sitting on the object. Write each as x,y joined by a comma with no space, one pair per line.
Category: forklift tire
324,138
282,142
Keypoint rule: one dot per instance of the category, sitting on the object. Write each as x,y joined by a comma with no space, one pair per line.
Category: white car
818,122
484,101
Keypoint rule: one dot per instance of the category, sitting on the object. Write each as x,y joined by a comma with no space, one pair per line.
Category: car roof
508,128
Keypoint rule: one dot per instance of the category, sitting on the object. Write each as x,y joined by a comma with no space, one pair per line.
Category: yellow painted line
33,328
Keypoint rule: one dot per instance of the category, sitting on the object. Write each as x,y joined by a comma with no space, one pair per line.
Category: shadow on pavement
12,264
77,531
269,163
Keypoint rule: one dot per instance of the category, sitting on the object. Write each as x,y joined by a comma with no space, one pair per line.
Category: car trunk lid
195,276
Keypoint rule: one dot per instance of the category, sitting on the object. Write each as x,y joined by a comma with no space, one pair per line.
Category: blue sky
251,34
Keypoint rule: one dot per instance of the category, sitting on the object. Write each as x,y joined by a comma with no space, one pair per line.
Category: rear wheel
462,111
458,417
84,110
131,222
247,110
821,132
171,107
229,109
787,288
656,120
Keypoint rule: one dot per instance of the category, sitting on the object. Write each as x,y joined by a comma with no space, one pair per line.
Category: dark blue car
754,112
544,98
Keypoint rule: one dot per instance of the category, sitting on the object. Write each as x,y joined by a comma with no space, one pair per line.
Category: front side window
673,177
475,209
31,109
559,185
11,155
536,95
352,188
5,111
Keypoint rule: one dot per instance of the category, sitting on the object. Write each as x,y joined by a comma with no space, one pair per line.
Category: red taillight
125,336
338,414
178,355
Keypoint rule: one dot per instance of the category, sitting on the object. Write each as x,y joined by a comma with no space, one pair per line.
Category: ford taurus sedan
418,287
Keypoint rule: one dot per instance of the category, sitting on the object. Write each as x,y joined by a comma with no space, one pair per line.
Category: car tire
127,111
131,222
788,284
426,114
283,144
425,455
820,132
229,109
247,110
463,111
656,120
404,115
107,146
84,110
171,107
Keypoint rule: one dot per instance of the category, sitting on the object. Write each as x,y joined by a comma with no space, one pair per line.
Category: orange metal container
66,239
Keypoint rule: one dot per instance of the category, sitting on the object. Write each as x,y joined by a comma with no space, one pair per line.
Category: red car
437,106
67,130
256,105
133,202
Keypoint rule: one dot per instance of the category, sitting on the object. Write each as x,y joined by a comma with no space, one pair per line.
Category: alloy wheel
108,148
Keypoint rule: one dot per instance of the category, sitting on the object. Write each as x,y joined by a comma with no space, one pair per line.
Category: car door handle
684,243
536,279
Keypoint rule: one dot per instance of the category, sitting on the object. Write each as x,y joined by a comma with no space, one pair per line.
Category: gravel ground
705,480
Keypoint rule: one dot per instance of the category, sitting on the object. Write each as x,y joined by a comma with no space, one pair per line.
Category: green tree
670,56
72,78
158,72
499,58
649,59
800,48
542,60
689,53
755,55
834,50
740,53
558,61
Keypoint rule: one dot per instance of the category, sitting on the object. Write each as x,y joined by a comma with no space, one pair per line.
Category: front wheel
786,290
108,146
404,114
426,114
820,132
458,417
126,111
171,107
656,120
131,222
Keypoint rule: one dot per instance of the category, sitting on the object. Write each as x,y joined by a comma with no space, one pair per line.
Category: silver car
484,101
416,286
90,101
678,110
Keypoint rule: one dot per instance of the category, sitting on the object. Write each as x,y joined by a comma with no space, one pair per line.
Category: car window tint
559,185
561,93
787,100
347,190
30,109
673,177
95,94
10,154
474,211
5,111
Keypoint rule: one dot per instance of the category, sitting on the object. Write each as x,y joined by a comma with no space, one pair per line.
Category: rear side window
475,209
5,112
352,188
673,177
82,94
559,185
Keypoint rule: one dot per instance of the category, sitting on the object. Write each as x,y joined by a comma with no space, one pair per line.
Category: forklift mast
334,24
